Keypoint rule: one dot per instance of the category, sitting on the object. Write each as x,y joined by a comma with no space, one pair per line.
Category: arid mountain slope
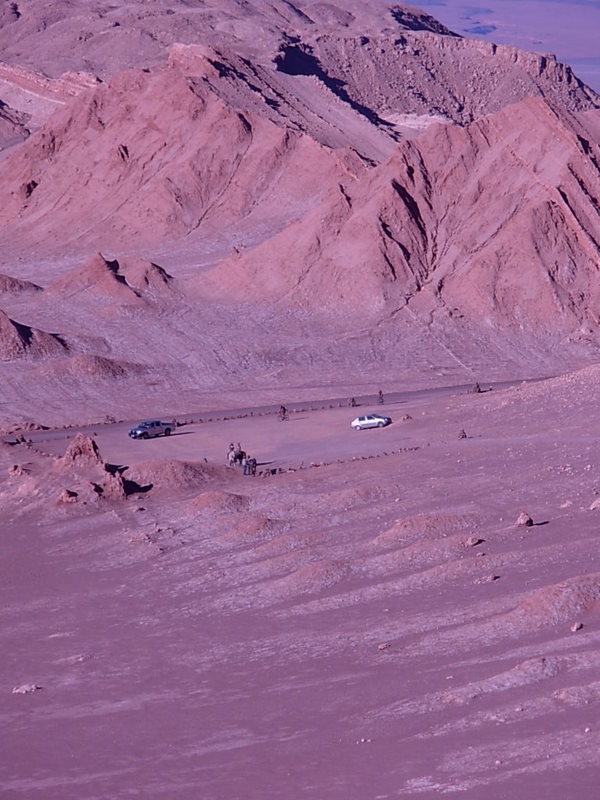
493,221
345,183
318,67
152,156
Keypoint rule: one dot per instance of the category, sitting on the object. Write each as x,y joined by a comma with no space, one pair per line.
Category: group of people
235,455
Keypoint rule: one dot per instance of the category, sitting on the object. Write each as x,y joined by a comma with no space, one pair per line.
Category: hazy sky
568,28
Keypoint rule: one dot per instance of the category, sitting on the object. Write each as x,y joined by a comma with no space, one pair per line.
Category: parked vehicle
150,428
370,421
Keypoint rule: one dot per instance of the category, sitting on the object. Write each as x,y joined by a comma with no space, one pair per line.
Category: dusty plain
209,209
367,622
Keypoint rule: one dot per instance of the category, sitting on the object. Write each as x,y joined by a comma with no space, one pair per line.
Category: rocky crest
18,340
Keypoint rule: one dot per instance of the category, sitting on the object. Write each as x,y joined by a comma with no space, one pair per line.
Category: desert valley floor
365,616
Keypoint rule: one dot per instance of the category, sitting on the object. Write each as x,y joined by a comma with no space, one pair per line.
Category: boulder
524,520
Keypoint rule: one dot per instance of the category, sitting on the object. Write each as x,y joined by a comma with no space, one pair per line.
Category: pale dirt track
307,437
314,433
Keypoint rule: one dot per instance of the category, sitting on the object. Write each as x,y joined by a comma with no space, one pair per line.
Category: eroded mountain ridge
361,171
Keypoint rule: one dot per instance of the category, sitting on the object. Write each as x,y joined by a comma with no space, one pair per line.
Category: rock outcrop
18,341
91,476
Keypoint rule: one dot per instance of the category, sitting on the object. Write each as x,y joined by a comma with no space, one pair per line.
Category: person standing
244,464
231,455
237,453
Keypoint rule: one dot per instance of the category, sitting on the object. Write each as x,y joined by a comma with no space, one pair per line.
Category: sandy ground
375,627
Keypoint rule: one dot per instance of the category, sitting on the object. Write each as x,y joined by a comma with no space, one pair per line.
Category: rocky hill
347,173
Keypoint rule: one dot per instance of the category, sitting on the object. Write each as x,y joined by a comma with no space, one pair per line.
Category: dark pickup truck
150,428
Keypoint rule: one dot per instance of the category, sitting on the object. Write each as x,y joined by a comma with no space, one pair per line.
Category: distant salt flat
567,28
